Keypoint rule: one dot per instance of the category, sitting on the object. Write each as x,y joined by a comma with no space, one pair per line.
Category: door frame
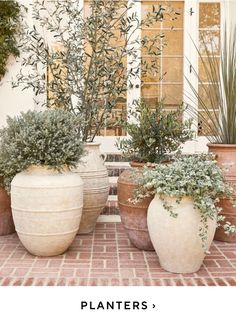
190,55
191,36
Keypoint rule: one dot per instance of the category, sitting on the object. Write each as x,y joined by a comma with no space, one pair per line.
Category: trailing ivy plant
38,138
197,177
86,57
9,27
154,133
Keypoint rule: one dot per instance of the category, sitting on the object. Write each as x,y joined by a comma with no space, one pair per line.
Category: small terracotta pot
6,221
225,155
133,216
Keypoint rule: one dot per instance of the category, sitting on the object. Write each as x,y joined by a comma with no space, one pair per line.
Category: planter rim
221,145
172,198
136,164
45,169
141,164
91,144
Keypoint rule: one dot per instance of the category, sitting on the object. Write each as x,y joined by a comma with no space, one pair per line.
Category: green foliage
218,116
153,134
86,57
9,25
38,138
197,177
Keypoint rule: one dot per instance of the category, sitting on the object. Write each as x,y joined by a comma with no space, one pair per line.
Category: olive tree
80,61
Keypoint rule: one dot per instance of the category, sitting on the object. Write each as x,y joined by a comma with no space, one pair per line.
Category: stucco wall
13,101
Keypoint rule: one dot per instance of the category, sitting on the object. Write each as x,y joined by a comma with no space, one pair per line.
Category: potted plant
184,213
154,134
217,115
6,221
37,150
87,73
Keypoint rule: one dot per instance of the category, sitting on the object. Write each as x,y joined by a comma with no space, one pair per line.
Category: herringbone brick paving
107,258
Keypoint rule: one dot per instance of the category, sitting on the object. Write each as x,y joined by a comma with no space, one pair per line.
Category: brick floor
107,257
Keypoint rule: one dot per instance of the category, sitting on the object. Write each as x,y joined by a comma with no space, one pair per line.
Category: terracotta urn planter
133,216
47,208
6,221
96,186
225,156
176,240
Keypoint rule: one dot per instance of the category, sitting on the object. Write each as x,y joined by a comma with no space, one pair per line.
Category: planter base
181,268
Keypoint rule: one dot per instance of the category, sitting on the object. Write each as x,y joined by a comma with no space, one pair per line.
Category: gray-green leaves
197,177
86,59
40,138
9,27
154,134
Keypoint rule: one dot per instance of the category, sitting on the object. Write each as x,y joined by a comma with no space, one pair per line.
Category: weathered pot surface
47,207
133,216
176,240
7,226
225,155
96,186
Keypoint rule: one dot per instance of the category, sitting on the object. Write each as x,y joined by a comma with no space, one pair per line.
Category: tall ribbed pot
133,216
176,240
6,221
46,207
96,186
225,155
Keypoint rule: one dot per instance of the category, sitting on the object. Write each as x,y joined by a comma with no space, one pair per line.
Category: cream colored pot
46,207
176,240
96,186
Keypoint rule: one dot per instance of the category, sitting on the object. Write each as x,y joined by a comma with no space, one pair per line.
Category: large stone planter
96,186
176,240
46,207
225,156
133,216
6,222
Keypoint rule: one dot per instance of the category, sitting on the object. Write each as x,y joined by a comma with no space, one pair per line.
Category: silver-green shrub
38,138
154,133
197,177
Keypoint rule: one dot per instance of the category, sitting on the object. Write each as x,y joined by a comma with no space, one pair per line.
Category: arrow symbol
153,306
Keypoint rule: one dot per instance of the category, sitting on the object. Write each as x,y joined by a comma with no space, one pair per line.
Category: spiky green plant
218,116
